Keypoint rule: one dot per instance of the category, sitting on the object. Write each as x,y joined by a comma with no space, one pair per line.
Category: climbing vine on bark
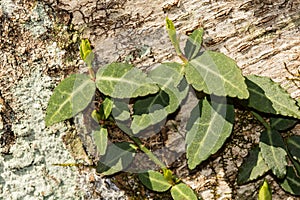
135,101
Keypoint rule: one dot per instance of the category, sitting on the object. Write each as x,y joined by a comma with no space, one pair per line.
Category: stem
183,58
148,152
91,72
259,118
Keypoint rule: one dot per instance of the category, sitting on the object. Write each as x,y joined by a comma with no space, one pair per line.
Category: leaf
265,192
154,181
70,97
293,145
121,80
269,97
291,183
86,53
273,151
169,77
117,158
253,167
149,112
193,44
155,108
172,35
120,110
282,124
182,192
215,73
100,138
107,106
209,126
141,122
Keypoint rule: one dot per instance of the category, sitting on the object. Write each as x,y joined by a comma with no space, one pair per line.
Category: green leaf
215,73
282,123
193,44
154,181
117,158
107,106
70,97
182,192
208,130
253,167
120,110
273,151
121,80
269,97
172,35
265,192
155,108
149,111
293,144
169,77
291,183
100,138
86,53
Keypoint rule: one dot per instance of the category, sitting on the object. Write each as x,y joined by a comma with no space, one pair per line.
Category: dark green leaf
121,114
291,183
100,138
154,181
120,110
70,97
253,167
269,97
265,192
155,108
121,80
193,44
215,73
282,124
172,34
208,130
117,158
169,77
293,144
273,152
141,122
182,192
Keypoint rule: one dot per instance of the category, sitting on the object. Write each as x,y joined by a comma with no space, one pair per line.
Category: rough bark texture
261,35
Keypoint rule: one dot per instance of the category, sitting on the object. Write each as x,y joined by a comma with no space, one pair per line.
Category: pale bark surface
261,35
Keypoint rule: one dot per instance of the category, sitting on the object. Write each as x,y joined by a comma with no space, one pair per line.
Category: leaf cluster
160,93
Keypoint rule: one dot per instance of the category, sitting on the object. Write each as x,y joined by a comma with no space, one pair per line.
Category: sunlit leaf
273,152
268,96
265,192
193,44
86,52
107,106
70,97
209,126
215,73
253,167
117,158
291,183
154,181
172,35
100,138
121,80
181,192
